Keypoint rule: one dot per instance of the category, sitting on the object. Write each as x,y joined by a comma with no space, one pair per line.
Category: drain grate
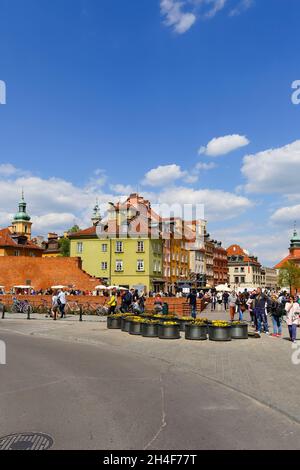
26,441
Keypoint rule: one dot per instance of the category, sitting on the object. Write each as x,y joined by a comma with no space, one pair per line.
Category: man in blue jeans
192,297
261,303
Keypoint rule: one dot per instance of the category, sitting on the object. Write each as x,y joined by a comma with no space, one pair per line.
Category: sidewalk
259,368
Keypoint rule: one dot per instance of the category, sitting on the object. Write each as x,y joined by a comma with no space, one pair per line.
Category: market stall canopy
23,287
223,287
113,287
101,287
58,287
123,288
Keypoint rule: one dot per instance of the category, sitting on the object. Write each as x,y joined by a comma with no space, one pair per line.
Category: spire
22,214
96,218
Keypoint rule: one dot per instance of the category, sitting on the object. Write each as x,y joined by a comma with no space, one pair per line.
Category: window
140,265
79,247
104,265
237,280
242,270
243,280
140,247
159,267
119,265
154,266
119,247
104,247
236,270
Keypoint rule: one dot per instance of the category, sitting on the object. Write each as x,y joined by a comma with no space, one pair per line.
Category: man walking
225,300
192,299
261,303
61,300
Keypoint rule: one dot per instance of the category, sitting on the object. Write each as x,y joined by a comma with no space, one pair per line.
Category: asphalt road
94,397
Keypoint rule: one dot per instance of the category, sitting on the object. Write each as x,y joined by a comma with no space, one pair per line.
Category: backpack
58,301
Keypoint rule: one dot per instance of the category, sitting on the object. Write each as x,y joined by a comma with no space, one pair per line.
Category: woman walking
232,304
277,312
292,309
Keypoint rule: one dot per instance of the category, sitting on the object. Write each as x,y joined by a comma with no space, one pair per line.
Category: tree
64,243
289,275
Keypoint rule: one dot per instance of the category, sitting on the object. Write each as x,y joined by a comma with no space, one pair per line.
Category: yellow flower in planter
186,318
169,323
220,323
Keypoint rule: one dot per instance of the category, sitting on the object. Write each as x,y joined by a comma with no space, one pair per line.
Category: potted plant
150,328
135,325
219,331
125,321
163,318
183,321
196,330
169,330
114,321
239,330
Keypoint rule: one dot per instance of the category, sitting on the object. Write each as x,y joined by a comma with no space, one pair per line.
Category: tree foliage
289,275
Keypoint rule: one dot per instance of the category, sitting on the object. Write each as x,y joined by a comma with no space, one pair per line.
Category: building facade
244,270
124,249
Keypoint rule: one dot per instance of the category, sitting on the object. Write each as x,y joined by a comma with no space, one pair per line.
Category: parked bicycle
21,306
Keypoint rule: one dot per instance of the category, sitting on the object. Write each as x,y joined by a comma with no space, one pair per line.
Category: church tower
21,223
96,218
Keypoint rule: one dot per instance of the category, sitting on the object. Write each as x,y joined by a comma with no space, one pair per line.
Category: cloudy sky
185,101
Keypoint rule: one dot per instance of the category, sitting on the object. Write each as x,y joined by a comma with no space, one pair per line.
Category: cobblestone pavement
259,368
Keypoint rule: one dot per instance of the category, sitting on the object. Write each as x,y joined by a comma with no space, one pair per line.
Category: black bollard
80,313
28,313
3,314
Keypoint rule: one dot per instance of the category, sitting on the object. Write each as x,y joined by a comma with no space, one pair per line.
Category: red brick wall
176,305
44,272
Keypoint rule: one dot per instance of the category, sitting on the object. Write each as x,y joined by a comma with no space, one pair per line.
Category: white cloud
205,166
122,188
224,145
175,14
274,170
172,11
218,204
163,175
286,215
242,6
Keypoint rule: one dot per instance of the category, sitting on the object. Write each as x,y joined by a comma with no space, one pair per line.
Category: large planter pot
239,331
125,324
218,333
183,323
135,328
113,323
149,330
169,331
195,332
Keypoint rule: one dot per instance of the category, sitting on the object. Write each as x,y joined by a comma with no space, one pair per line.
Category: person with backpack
277,311
225,300
292,309
126,301
112,303
192,299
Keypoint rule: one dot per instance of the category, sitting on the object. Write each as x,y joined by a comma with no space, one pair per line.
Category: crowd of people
261,305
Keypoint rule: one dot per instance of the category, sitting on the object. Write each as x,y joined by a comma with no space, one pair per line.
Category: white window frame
79,248
140,265
119,247
104,265
104,247
119,266
140,246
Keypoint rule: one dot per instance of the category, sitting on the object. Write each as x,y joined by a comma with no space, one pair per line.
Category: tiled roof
82,233
7,240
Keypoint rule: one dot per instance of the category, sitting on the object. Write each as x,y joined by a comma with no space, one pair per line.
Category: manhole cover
26,441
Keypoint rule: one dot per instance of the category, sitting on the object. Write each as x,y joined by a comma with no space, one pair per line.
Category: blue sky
102,93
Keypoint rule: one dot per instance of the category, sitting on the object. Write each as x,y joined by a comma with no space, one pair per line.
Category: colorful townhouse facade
125,249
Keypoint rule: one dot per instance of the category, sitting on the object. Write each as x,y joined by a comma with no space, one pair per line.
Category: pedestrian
292,309
126,301
61,300
250,310
232,305
277,311
219,300
112,303
54,306
261,304
213,300
192,299
225,300
158,307
2,308
141,302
